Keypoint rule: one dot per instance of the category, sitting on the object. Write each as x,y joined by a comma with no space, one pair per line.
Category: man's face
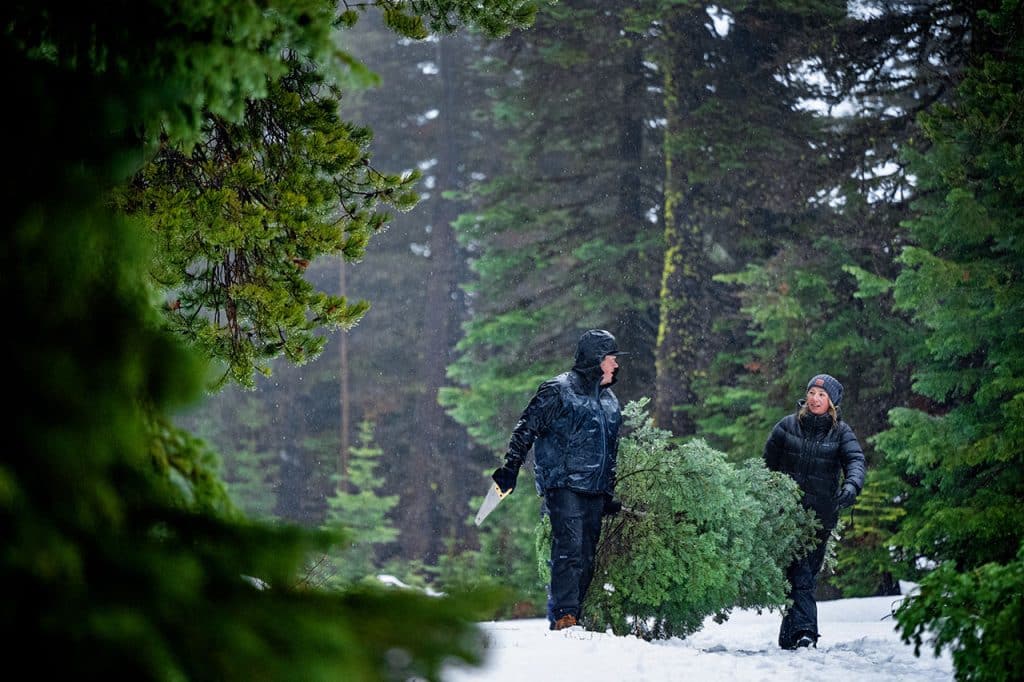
608,367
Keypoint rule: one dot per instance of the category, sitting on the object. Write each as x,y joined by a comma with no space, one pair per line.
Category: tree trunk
635,327
437,453
344,405
686,297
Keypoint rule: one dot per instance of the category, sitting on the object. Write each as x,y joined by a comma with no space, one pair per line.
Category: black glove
611,506
845,497
505,476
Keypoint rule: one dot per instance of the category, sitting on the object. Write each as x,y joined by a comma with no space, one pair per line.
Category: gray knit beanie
830,385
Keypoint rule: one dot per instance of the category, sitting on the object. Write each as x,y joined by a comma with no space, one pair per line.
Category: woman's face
817,400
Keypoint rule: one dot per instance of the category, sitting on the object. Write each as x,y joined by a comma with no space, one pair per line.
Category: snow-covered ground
858,642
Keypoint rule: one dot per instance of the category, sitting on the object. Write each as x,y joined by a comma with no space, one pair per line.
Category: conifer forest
285,274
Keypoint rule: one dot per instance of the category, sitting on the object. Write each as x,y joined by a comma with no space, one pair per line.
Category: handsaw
494,496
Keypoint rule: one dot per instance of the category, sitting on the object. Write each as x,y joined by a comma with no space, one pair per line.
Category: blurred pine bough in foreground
122,558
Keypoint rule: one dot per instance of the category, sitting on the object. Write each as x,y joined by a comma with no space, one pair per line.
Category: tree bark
438,454
345,403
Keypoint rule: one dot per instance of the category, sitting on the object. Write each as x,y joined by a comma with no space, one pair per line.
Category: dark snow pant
575,529
802,616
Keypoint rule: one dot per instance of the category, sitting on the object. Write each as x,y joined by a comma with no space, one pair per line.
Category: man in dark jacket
572,422
819,451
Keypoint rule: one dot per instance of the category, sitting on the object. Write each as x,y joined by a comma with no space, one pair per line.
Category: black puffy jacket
572,423
815,452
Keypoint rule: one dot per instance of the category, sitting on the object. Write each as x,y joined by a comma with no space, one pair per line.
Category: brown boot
566,621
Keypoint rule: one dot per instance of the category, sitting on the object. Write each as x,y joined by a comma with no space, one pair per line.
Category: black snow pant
575,529
802,616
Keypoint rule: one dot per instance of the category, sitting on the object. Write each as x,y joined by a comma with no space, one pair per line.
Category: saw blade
494,496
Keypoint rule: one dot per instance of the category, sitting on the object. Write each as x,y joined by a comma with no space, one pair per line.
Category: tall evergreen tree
241,216
436,470
561,235
565,236
362,512
740,166
396,354
821,301
126,575
963,283
849,234
961,279
249,468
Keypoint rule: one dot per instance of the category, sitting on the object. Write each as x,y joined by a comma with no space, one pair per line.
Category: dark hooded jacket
572,423
815,453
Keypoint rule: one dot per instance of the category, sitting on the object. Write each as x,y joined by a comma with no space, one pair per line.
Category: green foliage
248,468
871,562
411,18
979,614
702,537
404,24
563,235
123,578
78,38
956,510
188,465
804,315
242,214
963,283
239,219
358,507
961,445
785,300
121,557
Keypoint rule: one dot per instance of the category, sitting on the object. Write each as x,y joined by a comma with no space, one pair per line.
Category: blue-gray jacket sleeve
535,418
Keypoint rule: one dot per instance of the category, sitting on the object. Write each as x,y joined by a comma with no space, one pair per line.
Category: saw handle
505,478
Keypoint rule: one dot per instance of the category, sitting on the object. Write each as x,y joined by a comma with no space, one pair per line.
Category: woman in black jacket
821,453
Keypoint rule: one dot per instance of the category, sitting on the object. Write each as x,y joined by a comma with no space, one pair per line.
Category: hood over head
593,345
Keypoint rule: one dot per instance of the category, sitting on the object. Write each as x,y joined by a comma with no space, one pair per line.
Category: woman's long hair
831,411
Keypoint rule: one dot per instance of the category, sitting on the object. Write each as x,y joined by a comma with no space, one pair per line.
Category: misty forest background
737,224
745,194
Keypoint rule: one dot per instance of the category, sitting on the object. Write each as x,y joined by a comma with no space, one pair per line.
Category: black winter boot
805,640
